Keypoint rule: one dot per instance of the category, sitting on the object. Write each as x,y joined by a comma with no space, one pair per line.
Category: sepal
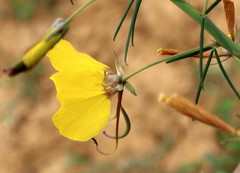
130,88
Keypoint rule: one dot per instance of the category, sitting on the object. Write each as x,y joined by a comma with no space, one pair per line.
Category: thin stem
193,53
128,126
201,49
120,93
61,24
78,10
201,43
204,8
182,55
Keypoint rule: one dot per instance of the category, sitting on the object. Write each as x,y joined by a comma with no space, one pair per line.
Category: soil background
160,140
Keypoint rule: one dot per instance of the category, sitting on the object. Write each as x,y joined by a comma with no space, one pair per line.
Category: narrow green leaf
212,6
131,29
134,18
225,75
130,88
210,27
122,20
72,2
203,77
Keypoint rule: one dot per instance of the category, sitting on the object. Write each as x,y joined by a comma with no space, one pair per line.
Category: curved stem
120,94
78,10
128,126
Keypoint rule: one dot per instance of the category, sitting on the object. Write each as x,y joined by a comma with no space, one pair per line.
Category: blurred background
161,140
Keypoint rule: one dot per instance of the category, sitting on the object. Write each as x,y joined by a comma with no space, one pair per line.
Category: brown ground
29,141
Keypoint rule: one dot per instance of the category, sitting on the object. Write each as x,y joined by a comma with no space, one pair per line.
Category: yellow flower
84,87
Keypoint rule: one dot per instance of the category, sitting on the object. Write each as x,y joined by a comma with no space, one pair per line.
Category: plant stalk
179,55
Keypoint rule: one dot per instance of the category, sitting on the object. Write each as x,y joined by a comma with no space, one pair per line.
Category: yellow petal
84,119
76,84
64,57
85,106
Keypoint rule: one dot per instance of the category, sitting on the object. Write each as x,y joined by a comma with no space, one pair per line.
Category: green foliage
130,164
76,159
190,167
30,82
130,36
25,9
224,108
210,27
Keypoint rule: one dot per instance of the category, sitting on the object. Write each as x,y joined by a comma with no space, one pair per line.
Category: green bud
35,53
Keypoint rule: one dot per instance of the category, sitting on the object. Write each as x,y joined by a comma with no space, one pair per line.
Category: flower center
111,82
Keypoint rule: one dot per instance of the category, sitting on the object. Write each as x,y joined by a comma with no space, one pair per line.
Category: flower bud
34,54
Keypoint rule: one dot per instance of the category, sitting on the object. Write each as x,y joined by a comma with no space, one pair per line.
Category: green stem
78,10
188,53
205,8
202,41
201,48
196,52
128,126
